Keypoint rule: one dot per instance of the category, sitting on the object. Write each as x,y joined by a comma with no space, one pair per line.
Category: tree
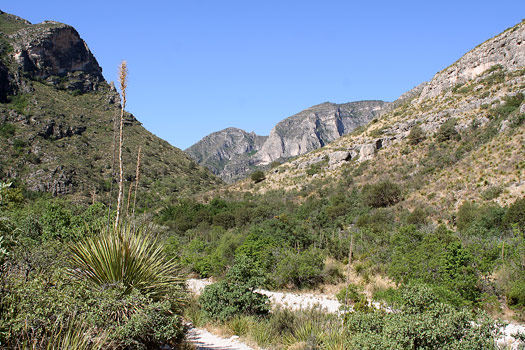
257,176
416,135
382,194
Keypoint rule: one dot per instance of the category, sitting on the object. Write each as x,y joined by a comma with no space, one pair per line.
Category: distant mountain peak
233,153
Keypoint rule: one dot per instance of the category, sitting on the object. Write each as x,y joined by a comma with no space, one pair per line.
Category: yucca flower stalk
137,176
123,80
128,256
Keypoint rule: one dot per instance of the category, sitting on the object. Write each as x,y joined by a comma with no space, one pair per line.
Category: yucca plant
74,335
128,256
67,334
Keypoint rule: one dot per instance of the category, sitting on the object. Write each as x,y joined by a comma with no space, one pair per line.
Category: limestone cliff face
506,49
63,143
233,153
315,127
51,51
227,152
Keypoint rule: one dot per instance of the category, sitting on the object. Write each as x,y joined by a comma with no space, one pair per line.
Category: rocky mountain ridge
233,153
452,139
57,121
227,152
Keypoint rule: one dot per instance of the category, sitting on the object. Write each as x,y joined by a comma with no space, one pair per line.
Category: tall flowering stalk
123,80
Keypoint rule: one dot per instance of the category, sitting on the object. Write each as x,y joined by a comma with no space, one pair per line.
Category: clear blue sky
198,66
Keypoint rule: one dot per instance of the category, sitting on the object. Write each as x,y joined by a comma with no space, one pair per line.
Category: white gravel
297,301
204,340
300,301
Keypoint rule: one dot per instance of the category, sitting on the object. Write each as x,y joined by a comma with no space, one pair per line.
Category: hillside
458,137
57,121
233,153
227,153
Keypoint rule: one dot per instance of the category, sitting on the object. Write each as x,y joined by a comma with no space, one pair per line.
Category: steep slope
315,127
57,119
227,152
459,137
233,153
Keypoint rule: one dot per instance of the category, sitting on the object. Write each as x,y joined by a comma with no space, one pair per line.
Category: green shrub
42,309
421,323
516,294
350,294
303,269
416,135
257,176
19,103
447,131
7,130
491,193
275,164
516,214
224,300
382,194
236,295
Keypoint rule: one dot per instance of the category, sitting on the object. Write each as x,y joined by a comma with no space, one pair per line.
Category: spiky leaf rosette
125,255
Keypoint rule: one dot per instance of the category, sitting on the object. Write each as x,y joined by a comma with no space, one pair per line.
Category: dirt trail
296,301
204,340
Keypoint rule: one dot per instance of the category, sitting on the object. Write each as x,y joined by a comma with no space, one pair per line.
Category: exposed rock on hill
233,153
506,50
57,118
227,152
446,141
315,127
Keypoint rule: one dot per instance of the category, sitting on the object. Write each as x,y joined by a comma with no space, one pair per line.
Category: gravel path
204,340
296,301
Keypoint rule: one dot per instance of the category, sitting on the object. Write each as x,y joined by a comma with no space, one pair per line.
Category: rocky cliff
315,127
233,153
49,51
506,50
57,121
227,152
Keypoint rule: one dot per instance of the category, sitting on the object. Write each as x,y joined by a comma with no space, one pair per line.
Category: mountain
233,153
315,127
456,138
227,152
57,121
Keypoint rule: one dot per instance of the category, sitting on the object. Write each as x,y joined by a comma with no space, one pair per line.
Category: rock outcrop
480,98
53,140
51,51
227,152
233,153
506,50
315,127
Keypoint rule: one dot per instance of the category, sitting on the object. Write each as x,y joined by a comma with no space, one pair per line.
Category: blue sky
199,66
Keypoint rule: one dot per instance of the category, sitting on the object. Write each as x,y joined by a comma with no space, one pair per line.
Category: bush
382,194
304,269
257,176
350,294
447,131
516,214
416,135
491,193
420,323
236,294
516,294
40,310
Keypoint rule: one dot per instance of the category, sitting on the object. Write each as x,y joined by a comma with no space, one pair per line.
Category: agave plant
74,335
128,256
